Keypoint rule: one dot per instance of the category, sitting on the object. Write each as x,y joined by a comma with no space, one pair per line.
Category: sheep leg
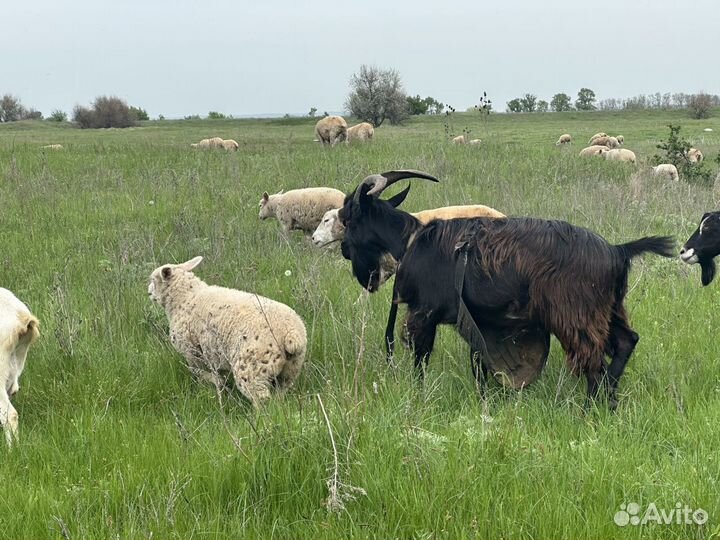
422,330
8,417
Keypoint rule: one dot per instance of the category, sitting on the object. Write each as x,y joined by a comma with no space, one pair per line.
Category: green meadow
118,441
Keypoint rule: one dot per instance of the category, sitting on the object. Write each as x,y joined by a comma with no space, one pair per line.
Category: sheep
216,142
19,328
612,142
203,144
360,132
300,208
620,154
460,139
597,136
331,130
565,138
597,150
332,230
620,139
694,155
52,147
222,332
667,170
475,141
230,145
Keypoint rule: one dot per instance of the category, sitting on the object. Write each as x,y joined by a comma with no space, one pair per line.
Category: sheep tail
295,342
30,328
660,245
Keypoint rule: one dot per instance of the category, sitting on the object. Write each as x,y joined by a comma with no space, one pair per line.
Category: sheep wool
221,332
331,130
595,150
668,170
230,145
620,154
565,138
300,208
360,132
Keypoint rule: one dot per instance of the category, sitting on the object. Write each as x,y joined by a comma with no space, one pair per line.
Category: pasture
118,441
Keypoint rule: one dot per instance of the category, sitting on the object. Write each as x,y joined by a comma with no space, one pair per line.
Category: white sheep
332,230
596,150
605,141
597,136
52,147
18,330
360,132
331,130
620,139
475,141
694,155
565,138
612,142
620,154
460,139
300,208
230,145
220,331
667,170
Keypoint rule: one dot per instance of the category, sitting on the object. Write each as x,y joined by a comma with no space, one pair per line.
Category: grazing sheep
620,139
597,150
230,145
53,147
694,155
475,141
360,132
216,142
18,329
565,138
222,331
300,208
460,139
331,130
332,230
612,142
620,154
597,136
667,170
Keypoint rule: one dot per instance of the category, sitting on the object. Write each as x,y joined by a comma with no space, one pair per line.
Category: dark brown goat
520,271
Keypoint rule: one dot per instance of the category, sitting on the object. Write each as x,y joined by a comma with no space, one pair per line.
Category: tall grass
117,441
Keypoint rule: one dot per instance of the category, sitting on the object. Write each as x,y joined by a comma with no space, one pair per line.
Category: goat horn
381,181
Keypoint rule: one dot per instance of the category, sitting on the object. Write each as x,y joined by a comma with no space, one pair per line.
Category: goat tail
660,245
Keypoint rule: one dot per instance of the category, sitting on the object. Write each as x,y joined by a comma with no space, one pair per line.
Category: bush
140,114
106,112
214,115
377,95
57,116
11,109
675,151
700,106
32,114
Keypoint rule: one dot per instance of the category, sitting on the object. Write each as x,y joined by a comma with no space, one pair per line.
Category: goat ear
265,196
397,200
708,272
166,273
192,263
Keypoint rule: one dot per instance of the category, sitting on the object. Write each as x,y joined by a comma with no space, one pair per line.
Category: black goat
520,271
703,246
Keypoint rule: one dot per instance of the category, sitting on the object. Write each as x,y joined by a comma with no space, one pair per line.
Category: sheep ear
192,263
266,197
166,273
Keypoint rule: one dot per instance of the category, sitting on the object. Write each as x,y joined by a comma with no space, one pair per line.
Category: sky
182,57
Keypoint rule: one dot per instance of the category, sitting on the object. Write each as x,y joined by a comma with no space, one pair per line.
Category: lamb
596,150
610,142
475,141
597,136
332,230
620,139
620,154
667,170
19,328
460,139
300,208
331,130
52,147
221,332
694,155
565,138
360,132
230,145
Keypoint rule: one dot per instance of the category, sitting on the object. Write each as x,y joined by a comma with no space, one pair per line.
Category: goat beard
708,271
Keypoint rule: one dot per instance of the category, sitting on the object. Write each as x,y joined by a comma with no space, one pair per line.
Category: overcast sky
180,57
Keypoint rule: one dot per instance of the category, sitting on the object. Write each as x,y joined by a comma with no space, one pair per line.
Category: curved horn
379,182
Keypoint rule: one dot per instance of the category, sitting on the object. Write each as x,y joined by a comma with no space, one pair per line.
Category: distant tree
561,103
32,114
700,106
542,106
313,112
161,117
214,115
514,105
140,114
377,95
192,117
528,103
585,100
417,105
11,109
58,116
106,112
434,106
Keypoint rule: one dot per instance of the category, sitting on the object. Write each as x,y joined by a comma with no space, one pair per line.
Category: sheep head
163,275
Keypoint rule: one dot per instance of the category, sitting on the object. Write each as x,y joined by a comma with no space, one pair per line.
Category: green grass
117,441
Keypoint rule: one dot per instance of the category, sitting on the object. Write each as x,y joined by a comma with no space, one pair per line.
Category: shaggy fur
360,132
565,138
300,208
667,170
331,130
597,150
620,154
220,331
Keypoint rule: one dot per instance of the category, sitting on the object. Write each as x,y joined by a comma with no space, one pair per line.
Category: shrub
140,114
106,112
675,150
57,116
32,114
214,115
11,109
377,95
700,106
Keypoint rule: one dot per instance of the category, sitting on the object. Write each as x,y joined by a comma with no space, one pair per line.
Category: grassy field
117,440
